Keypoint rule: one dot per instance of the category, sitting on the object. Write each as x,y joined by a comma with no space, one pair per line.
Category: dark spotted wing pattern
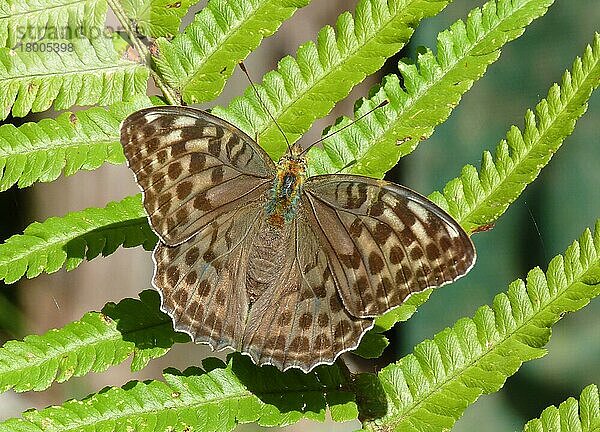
192,167
202,280
384,241
292,315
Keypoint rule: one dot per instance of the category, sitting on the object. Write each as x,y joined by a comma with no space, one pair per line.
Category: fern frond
431,388
47,246
31,20
307,87
156,18
214,399
582,416
428,92
198,62
478,199
73,141
372,345
92,344
93,73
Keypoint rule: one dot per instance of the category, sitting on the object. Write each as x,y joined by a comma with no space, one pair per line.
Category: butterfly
256,256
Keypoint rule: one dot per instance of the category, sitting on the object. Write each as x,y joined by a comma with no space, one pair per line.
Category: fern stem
169,94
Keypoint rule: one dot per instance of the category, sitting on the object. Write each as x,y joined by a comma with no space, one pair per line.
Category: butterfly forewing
385,241
191,167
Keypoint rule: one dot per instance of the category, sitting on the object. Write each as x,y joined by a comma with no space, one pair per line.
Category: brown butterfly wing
300,321
297,320
204,185
383,241
192,167
297,295
202,281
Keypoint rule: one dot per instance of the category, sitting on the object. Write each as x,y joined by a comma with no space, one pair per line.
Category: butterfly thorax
285,193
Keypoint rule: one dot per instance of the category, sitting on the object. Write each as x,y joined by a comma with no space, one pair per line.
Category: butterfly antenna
382,104
348,165
243,68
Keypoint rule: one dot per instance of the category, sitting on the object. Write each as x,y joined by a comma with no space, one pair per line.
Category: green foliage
213,399
73,141
427,92
47,246
431,388
307,87
23,21
372,344
478,199
93,73
198,62
501,182
571,415
92,344
156,18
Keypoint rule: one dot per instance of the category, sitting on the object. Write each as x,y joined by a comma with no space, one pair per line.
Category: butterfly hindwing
384,241
192,167
202,281
209,286
300,321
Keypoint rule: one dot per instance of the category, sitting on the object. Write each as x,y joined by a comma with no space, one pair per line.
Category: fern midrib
54,354
111,334
518,158
426,89
55,145
155,325
34,11
333,67
232,397
217,48
438,389
122,66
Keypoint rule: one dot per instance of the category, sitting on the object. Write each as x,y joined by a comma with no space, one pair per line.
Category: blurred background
549,215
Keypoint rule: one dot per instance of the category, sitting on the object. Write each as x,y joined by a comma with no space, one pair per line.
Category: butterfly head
291,168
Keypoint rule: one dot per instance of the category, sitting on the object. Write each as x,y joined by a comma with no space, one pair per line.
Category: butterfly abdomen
266,261
282,206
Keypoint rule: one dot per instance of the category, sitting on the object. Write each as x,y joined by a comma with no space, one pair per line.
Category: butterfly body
256,256
282,206
266,259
